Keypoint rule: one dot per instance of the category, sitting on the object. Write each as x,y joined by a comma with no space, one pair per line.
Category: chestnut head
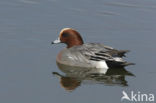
70,37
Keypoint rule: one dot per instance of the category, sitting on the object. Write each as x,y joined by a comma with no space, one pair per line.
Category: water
27,61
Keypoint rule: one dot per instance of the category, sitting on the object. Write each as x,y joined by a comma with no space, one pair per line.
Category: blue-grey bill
56,41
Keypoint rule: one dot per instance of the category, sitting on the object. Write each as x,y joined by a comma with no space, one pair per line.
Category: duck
88,55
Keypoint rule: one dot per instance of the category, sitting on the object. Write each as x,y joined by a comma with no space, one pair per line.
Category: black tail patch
113,64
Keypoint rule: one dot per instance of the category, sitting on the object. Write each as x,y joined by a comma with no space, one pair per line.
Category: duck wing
99,52
88,52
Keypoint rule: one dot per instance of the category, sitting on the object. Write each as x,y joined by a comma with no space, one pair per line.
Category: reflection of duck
74,76
69,83
89,55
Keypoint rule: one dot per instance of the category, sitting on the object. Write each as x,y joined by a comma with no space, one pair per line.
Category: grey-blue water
27,59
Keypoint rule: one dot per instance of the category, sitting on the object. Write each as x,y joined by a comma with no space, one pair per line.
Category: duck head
70,37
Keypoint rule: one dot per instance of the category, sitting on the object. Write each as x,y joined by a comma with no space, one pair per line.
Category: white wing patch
118,59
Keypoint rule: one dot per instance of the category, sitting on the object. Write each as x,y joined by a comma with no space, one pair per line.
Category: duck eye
64,35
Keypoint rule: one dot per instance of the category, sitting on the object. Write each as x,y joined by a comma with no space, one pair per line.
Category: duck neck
72,43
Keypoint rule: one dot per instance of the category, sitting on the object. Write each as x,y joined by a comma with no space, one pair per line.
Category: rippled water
27,59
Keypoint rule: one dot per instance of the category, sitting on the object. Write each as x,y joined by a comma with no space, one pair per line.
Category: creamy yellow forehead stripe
63,30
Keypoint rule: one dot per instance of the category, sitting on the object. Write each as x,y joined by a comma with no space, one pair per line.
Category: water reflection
75,76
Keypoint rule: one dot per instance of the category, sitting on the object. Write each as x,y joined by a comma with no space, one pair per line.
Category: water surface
27,61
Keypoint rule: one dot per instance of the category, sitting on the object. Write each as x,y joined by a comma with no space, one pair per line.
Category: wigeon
88,55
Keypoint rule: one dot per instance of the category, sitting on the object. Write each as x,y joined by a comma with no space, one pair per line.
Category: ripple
101,12
121,4
29,1
130,5
107,13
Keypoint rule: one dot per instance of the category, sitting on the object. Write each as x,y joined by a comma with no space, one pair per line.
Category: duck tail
127,64
122,53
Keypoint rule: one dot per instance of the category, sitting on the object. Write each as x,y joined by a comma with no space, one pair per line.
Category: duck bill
56,41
